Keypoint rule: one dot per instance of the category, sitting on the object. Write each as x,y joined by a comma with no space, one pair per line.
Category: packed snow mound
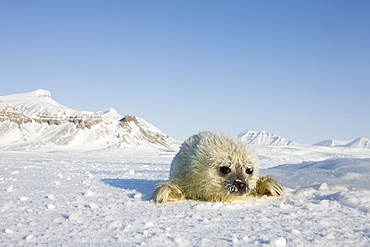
34,120
332,174
263,138
360,142
270,156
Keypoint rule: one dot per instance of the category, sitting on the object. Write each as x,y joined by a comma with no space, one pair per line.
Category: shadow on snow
145,187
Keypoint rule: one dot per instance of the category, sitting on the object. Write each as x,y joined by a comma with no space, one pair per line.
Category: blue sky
300,69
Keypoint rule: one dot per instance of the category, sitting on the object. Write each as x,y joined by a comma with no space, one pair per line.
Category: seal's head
238,178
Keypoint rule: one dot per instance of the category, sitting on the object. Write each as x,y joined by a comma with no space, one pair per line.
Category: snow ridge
34,121
263,138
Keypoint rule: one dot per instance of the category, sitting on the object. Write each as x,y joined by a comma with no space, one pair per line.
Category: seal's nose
240,185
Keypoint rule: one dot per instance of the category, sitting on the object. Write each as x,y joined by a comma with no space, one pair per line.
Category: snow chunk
235,239
24,199
138,196
324,186
29,237
10,188
281,242
127,228
148,224
51,197
88,193
74,216
93,205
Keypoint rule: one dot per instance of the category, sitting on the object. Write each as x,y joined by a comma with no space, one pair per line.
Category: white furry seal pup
215,167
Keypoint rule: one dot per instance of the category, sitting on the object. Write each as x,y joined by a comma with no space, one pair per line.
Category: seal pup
215,167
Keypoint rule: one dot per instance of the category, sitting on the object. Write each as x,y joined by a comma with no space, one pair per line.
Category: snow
103,198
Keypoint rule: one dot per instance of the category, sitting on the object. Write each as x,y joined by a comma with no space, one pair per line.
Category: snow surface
102,199
277,155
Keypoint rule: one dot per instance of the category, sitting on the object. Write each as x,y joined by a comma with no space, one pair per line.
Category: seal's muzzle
237,188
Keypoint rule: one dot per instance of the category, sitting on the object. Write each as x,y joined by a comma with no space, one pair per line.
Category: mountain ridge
35,121
360,142
263,138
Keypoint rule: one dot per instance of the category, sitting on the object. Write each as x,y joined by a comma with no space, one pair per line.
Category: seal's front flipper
167,192
268,186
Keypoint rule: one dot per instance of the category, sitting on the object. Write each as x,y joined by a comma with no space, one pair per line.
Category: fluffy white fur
215,167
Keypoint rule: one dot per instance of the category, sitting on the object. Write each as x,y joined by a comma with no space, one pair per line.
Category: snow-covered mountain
34,120
263,138
360,142
331,143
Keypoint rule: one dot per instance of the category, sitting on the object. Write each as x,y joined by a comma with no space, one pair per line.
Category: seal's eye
249,170
225,169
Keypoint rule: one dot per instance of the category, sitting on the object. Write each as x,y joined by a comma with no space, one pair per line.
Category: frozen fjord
103,199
